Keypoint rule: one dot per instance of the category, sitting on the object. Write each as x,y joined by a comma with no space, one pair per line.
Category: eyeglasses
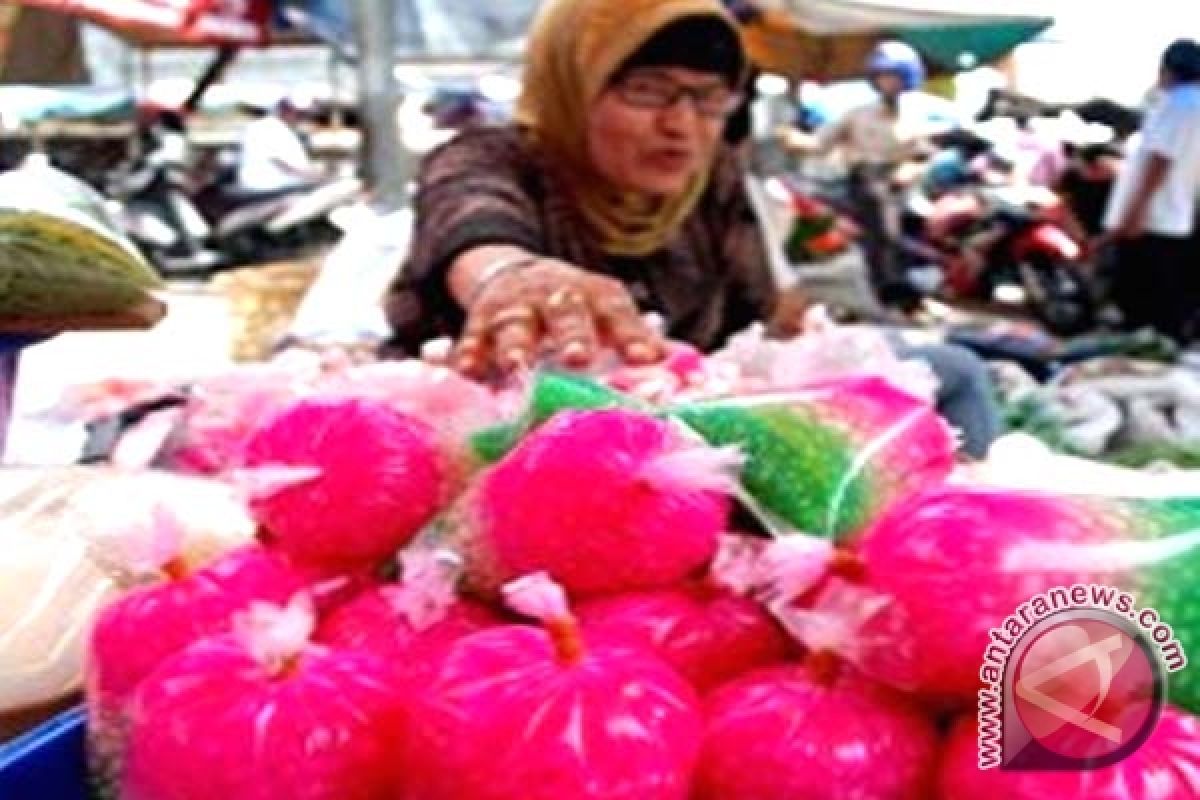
656,93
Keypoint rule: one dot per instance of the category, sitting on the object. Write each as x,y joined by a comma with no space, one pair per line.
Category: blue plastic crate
48,763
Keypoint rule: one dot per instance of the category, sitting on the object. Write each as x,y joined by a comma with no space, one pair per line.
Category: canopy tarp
829,39
173,22
426,29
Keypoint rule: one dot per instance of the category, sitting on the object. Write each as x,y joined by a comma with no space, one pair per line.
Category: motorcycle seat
241,196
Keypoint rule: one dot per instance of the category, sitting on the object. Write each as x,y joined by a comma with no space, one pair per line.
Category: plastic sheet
955,562
1166,767
605,501
262,713
825,460
223,411
59,563
542,713
825,352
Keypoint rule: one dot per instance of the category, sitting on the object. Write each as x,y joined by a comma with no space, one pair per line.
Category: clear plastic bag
59,564
955,562
825,459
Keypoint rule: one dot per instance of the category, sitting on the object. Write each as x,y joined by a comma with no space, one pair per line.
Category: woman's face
644,137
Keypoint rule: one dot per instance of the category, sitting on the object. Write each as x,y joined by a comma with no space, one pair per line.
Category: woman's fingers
514,335
470,354
570,326
636,342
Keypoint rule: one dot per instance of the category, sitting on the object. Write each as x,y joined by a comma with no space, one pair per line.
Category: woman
612,196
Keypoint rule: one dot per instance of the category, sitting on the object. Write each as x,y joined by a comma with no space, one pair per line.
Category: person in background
1151,213
272,154
1086,186
611,197
872,141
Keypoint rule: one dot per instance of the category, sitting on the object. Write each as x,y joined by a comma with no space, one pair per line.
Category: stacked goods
824,459
262,712
601,632
955,562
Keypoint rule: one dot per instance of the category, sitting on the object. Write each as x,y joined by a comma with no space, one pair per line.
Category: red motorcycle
1010,244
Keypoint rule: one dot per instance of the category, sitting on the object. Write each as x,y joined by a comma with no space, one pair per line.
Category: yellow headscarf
574,49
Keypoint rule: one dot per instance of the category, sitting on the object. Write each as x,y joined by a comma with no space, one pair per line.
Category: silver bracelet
498,268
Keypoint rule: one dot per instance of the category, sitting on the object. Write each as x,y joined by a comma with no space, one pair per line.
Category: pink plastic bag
795,732
605,501
261,713
136,634
538,713
711,630
954,563
410,624
1166,767
818,729
360,481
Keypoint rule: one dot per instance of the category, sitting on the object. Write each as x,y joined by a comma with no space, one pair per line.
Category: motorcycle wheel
1058,296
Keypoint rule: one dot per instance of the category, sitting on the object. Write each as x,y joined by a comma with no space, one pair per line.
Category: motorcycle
189,222
253,226
1004,244
149,197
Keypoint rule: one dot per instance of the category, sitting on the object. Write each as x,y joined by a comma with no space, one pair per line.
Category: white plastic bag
64,540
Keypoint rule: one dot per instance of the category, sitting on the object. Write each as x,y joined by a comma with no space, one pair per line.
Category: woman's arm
472,206
479,272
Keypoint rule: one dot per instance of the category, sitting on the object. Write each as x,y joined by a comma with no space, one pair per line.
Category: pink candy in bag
261,713
540,713
793,732
224,410
818,729
954,563
357,481
1166,767
709,629
604,501
134,635
408,625
452,405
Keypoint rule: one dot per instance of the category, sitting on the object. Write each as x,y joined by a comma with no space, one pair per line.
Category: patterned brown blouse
488,186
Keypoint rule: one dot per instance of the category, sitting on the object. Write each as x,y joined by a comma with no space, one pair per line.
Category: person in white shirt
272,154
1151,214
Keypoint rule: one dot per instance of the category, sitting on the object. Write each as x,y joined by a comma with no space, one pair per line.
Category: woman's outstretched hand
549,305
